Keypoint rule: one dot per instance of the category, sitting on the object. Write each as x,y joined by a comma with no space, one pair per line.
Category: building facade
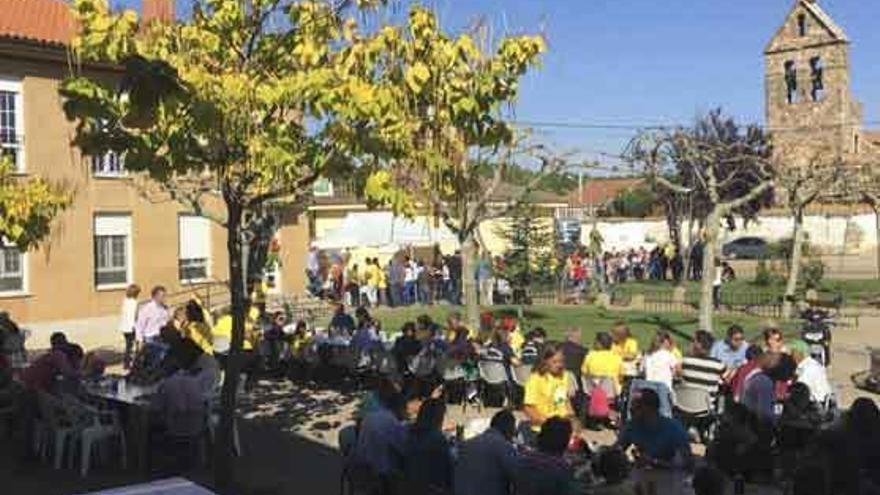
811,111
115,232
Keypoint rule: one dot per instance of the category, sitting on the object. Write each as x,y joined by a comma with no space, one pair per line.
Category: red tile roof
598,191
44,21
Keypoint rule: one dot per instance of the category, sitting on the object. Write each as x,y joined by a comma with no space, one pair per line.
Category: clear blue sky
642,62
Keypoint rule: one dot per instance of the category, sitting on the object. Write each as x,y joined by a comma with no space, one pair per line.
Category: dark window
856,143
790,82
802,25
817,69
11,269
10,138
110,260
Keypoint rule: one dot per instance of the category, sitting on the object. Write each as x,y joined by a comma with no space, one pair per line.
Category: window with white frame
194,248
112,250
110,164
12,122
12,269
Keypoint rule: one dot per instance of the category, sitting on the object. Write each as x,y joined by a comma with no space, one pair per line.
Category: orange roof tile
598,191
43,21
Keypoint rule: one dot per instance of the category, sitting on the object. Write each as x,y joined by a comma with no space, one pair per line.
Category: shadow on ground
286,435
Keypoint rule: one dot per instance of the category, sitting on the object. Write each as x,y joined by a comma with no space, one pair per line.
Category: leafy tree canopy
27,206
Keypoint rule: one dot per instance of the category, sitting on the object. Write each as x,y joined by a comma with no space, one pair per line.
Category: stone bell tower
810,108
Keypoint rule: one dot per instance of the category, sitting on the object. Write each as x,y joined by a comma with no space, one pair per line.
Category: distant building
595,193
811,111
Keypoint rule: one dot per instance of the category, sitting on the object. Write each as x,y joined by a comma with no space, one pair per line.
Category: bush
762,274
813,272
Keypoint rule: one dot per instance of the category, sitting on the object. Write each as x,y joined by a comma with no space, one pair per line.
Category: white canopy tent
385,232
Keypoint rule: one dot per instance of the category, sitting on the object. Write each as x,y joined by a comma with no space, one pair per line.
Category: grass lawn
590,319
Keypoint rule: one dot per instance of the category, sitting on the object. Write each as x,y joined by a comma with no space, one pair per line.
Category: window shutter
194,238
107,225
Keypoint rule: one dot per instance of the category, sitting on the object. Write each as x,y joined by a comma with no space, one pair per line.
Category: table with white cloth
169,486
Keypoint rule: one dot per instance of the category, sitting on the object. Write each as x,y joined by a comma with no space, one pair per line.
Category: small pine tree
529,259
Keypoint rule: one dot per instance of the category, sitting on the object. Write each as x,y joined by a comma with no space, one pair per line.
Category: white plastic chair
56,429
95,426
494,374
521,374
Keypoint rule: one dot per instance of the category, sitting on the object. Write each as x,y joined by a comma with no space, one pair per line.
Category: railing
753,302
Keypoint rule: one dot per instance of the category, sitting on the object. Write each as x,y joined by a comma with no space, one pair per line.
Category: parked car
746,248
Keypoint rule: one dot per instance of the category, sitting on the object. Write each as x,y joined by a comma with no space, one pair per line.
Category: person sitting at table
381,438
366,337
660,363
407,346
273,341
811,373
543,471
547,388
623,343
487,463
42,372
662,445
427,460
180,410
13,347
603,363
732,350
531,348
499,349
342,322
461,348
426,328
196,328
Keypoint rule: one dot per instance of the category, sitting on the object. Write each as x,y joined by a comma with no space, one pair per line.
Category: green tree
453,101
530,257
637,202
27,206
237,109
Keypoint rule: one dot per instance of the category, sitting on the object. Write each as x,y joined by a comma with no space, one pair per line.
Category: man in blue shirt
487,463
732,350
342,321
661,442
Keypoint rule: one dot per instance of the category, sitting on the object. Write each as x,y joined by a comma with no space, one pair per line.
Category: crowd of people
765,395
177,354
404,279
662,262
771,415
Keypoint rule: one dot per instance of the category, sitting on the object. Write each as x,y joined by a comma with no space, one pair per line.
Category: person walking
127,320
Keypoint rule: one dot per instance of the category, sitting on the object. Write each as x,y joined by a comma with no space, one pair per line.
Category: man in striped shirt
698,369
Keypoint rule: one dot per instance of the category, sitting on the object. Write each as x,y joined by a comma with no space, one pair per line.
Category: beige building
810,107
114,233
334,203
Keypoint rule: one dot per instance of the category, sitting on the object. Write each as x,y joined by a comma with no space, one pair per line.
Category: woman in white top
127,319
660,364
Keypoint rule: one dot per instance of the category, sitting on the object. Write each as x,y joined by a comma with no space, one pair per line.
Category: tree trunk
224,475
468,281
795,268
713,225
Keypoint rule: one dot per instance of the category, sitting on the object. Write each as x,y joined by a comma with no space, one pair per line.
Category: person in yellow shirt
603,362
196,329
547,389
624,345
